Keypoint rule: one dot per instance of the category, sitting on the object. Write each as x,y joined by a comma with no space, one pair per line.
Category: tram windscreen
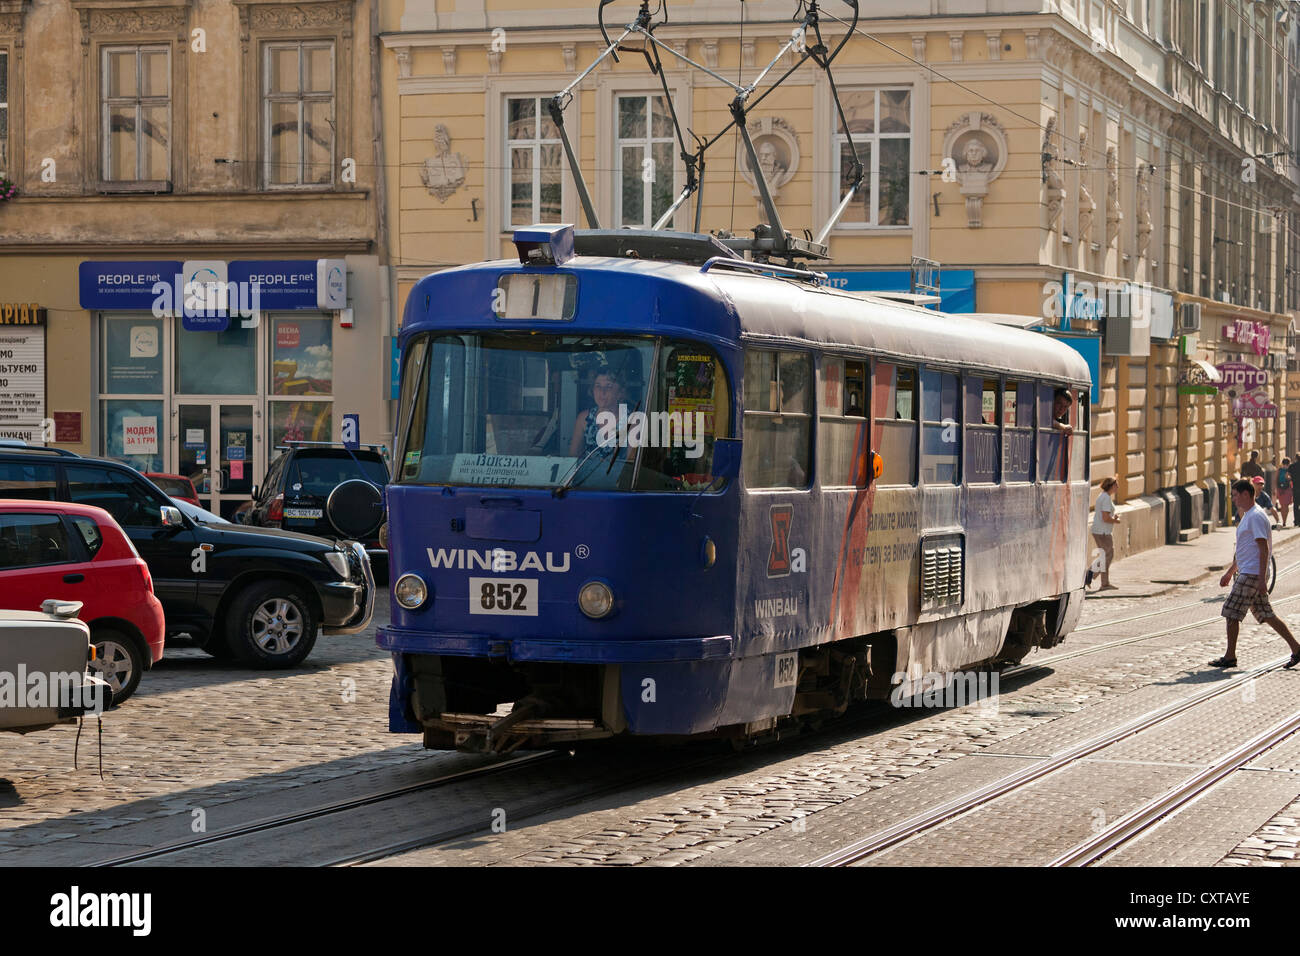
517,409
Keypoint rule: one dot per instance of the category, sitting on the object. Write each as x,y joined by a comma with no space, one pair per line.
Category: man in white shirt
1254,541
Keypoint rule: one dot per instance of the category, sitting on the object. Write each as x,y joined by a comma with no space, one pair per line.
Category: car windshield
173,486
195,513
320,472
519,409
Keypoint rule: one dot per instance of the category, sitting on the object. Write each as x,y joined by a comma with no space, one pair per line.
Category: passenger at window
1061,403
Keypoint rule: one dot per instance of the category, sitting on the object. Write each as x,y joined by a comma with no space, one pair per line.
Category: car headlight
339,562
596,599
410,591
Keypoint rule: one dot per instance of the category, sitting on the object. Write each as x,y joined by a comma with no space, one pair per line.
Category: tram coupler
493,739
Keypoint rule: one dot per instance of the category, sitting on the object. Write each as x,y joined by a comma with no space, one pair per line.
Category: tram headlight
595,599
410,591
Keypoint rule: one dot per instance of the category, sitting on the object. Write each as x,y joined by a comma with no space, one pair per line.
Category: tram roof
755,306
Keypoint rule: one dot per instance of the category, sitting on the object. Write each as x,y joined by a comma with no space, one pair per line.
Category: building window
136,114
644,161
880,122
4,112
298,113
533,163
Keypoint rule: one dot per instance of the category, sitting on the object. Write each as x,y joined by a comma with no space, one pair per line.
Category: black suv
251,593
310,484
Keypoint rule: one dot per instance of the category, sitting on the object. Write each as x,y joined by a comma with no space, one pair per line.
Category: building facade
162,149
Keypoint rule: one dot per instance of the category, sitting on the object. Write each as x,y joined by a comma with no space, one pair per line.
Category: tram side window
777,422
940,429
983,451
1079,440
842,427
893,408
688,409
1055,406
1018,430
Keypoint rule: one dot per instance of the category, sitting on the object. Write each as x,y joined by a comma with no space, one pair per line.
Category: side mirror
171,517
726,458
254,492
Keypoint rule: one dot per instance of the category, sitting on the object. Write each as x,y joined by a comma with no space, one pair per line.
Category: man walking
1294,472
1252,468
1254,541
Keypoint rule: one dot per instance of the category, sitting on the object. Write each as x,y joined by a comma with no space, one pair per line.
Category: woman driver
607,390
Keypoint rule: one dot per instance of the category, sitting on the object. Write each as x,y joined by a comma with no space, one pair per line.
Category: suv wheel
118,661
271,625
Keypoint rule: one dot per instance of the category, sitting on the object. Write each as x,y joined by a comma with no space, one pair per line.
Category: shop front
186,385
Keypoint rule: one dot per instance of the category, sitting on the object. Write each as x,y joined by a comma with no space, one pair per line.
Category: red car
55,549
174,486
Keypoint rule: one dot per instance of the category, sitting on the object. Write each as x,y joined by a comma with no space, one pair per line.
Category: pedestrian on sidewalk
1294,472
1263,501
1254,542
1285,490
1252,468
1104,520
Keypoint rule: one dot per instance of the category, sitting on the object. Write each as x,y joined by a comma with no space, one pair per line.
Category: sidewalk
1159,570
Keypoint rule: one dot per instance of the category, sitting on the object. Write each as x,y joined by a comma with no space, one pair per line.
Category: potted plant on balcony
8,190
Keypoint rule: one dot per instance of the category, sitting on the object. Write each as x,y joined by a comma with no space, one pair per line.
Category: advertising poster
139,435
303,363
300,421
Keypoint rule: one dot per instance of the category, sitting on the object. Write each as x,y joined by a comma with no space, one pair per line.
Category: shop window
778,404
216,363
301,421
533,163
1018,431
894,426
133,356
298,121
940,429
302,357
645,170
843,425
983,446
136,113
133,431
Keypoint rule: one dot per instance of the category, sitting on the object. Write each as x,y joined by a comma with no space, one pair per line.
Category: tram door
215,449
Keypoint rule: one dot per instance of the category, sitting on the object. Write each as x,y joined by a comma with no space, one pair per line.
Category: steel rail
966,803
340,806
1134,824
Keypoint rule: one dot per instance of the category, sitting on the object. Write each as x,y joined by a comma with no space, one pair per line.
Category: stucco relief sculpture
1143,209
444,173
1055,193
1114,214
1087,205
977,145
777,146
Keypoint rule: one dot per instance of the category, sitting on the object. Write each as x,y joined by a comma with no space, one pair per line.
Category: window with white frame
4,113
880,122
534,166
298,121
645,175
135,96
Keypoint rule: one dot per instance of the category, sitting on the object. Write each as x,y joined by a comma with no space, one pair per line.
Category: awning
1210,371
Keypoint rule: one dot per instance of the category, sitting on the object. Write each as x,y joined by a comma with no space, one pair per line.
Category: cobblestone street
202,739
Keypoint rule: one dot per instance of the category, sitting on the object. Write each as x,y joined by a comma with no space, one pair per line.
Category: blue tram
644,486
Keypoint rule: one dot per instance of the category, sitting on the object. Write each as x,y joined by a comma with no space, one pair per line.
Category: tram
644,486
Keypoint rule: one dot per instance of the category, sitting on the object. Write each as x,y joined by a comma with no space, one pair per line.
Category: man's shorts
1247,594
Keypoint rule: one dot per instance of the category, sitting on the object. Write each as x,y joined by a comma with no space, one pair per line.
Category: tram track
945,813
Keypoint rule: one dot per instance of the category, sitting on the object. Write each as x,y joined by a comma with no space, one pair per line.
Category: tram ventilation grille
942,571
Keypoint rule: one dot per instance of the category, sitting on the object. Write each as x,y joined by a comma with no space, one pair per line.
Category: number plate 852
503,596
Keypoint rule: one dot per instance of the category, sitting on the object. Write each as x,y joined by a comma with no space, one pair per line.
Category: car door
40,560
137,507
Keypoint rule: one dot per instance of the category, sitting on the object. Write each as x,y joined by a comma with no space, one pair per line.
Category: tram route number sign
516,597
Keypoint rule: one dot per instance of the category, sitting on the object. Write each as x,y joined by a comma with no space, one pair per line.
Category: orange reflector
92,652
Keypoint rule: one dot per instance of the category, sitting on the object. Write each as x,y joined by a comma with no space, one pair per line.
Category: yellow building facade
165,141
1116,168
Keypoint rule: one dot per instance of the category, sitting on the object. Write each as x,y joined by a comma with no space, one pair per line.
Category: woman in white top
1103,521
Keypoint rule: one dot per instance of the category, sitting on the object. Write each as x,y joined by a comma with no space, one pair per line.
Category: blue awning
956,286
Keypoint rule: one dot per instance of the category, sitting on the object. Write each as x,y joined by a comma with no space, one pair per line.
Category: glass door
215,449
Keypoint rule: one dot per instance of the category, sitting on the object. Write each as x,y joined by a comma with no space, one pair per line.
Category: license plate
515,596
302,512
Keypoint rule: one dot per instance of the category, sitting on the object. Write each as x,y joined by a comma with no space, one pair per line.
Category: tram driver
608,391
